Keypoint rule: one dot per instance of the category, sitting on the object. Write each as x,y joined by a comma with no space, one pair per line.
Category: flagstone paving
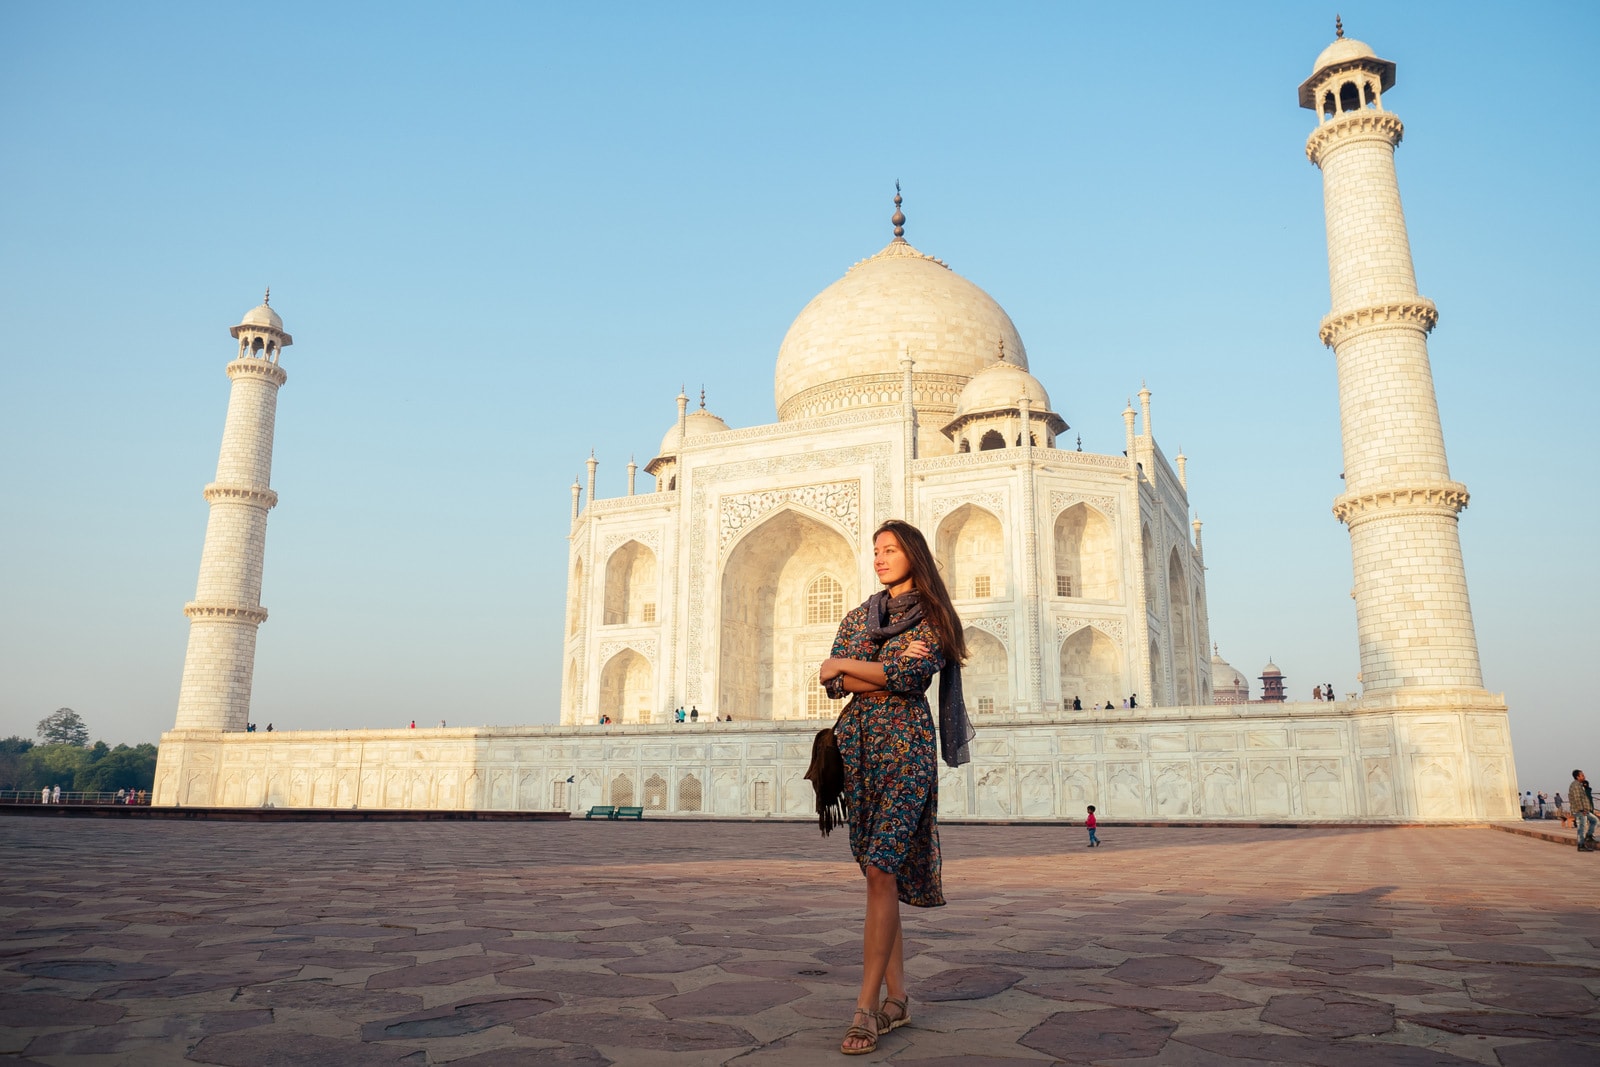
674,943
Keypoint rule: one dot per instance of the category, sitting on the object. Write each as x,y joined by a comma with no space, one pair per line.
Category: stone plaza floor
487,944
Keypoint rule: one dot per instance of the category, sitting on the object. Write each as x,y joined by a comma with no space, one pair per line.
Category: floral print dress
886,740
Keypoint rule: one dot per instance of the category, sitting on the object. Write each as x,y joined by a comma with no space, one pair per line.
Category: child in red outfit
1091,823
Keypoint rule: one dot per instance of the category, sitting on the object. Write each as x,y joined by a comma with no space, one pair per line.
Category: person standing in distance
1581,801
886,653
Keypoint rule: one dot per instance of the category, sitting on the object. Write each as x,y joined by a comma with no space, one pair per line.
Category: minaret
1412,615
220,663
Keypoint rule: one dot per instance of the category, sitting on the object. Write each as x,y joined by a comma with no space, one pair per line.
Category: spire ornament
899,217
1338,27
267,300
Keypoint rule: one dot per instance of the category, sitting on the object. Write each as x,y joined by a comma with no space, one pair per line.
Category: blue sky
503,235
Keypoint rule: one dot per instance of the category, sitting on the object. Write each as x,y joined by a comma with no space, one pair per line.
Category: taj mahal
903,390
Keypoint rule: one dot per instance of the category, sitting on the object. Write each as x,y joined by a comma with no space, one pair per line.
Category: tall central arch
773,638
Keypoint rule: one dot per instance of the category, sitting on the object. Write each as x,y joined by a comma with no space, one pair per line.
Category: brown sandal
903,1005
879,1023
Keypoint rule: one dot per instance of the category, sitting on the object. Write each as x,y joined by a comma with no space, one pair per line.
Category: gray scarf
955,729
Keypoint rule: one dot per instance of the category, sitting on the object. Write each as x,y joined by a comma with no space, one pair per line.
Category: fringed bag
826,775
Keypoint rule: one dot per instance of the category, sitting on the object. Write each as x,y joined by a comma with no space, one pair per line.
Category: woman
886,654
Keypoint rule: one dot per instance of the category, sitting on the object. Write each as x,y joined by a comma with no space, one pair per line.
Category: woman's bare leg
881,947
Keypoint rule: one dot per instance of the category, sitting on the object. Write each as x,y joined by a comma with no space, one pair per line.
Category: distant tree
14,768
120,768
55,765
63,727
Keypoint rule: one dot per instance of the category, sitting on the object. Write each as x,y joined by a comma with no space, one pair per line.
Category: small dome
698,424
262,315
1343,50
998,387
898,302
1271,668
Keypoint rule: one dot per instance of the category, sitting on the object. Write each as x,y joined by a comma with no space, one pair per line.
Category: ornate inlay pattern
1447,498
840,501
259,368
650,539
1067,625
229,612
645,646
240,494
1006,457
944,505
1419,314
1105,505
630,503
999,625
1355,126
774,466
931,392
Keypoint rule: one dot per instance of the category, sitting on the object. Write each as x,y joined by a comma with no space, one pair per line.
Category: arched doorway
1086,555
986,676
625,686
971,550
1091,667
779,616
631,588
1182,629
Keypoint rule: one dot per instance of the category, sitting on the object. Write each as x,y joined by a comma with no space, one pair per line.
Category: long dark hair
925,579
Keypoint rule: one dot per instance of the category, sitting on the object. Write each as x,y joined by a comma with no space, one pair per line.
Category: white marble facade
1248,763
903,391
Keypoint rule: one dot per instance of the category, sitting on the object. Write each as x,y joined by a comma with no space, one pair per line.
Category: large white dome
844,349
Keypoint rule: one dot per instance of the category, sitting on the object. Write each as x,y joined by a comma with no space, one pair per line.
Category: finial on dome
702,398
1002,350
1338,27
899,217
267,300
1080,442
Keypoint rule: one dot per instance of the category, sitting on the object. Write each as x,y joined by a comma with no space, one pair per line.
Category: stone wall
1313,761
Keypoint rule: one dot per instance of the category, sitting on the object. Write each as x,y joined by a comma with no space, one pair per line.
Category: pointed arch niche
986,676
1086,555
971,550
631,585
575,598
625,685
1091,668
774,627
1182,629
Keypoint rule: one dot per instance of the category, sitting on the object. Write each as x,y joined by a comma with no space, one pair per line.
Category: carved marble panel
990,500
1271,739
1104,504
645,646
1269,787
998,625
1067,625
994,793
839,501
1125,790
1438,786
650,539
1315,739
1322,788
1174,790
1219,789
1169,742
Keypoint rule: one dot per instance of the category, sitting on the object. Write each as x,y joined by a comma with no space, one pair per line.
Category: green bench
629,813
602,811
